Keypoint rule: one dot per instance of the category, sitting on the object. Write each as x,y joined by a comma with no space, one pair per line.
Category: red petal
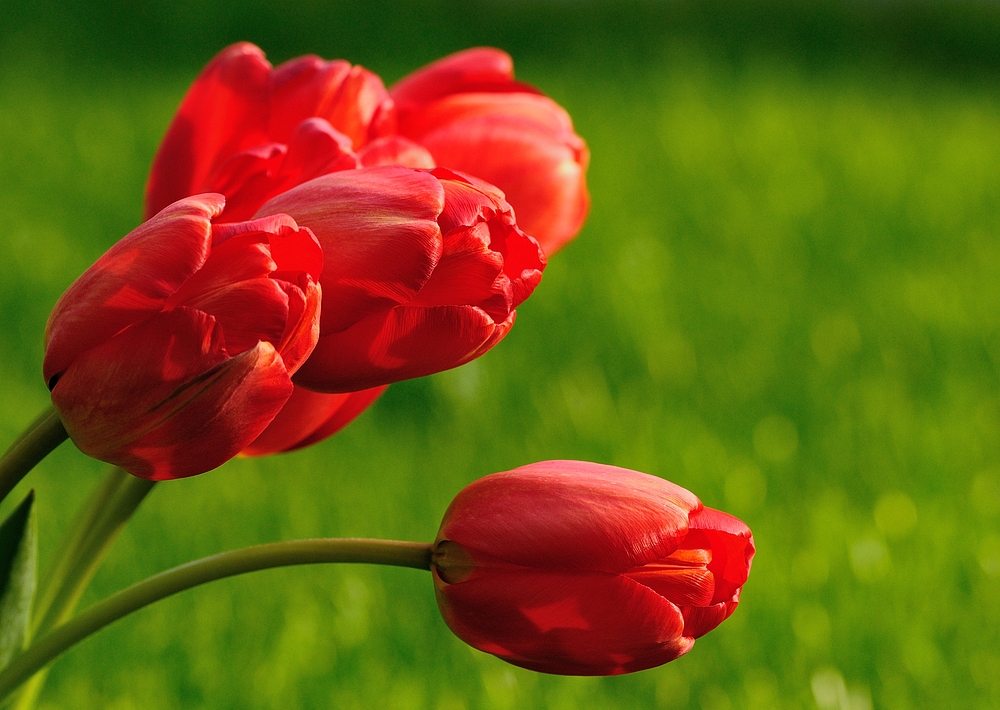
570,515
302,328
542,173
245,179
499,333
360,97
469,201
243,257
699,620
570,624
224,113
163,401
518,108
381,242
294,249
314,149
683,577
395,150
732,548
468,273
478,69
309,417
131,282
303,88
398,345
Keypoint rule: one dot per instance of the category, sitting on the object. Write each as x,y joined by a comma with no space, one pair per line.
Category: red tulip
250,131
176,348
468,111
582,569
253,132
309,417
423,272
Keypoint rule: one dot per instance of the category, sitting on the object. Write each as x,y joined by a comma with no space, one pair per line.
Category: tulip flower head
577,568
175,350
424,266
424,270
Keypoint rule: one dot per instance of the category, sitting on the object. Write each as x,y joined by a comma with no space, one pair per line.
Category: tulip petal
540,111
699,620
293,249
131,281
395,150
565,623
309,417
245,179
590,517
314,149
300,88
732,548
381,241
162,400
224,113
347,97
404,343
480,234
302,327
478,69
541,173
361,96
683,577
468,273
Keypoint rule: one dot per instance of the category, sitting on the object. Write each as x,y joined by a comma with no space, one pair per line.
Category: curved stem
42,436
192,574
85,546
77,559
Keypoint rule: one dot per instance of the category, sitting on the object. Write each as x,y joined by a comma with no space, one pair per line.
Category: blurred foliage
785,299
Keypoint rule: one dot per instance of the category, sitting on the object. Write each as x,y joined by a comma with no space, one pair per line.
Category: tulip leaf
18,577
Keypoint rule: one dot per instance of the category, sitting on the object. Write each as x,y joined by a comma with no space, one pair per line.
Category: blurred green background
785,299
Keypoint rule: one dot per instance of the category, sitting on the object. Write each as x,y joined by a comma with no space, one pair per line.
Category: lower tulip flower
175,350
424,270
582,569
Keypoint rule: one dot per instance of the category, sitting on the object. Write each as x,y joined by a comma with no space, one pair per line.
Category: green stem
192,574
42,436
77,559
85,546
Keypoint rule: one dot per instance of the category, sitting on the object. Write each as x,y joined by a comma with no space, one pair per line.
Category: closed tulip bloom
309,417
424,270
471,115
582,569
250,131
175,350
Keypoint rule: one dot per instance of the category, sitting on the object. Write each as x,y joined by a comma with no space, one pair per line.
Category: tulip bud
175,350
468,111
424,270
578,568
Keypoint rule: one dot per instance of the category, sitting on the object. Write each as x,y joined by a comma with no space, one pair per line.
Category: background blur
785,299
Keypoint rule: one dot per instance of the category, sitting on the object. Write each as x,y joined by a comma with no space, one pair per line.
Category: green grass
785,299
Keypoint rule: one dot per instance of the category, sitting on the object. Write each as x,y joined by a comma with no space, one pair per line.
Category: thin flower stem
192,574
77,559
86,545
42,436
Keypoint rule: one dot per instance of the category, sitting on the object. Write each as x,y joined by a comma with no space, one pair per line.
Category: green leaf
18,577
